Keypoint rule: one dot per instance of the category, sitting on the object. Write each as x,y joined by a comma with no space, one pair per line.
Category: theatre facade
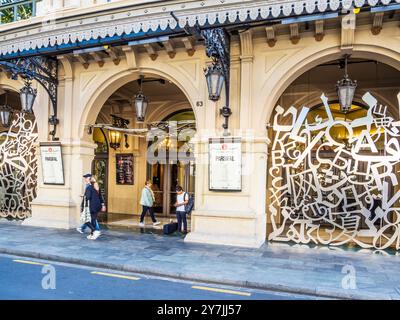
280,118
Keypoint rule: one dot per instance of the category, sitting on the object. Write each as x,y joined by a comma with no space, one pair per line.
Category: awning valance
128,24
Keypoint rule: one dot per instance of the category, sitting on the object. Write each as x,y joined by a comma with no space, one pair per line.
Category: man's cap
87,175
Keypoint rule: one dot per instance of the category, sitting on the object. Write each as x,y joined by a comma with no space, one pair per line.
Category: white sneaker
96,234
90,237
79,230
141,224
156,223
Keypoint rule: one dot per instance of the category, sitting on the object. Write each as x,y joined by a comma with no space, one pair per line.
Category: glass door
156,173
168,177
182,174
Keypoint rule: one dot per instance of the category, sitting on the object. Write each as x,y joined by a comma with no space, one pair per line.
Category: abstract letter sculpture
18,168
327,191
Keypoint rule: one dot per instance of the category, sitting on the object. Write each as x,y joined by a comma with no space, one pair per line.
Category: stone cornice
107,20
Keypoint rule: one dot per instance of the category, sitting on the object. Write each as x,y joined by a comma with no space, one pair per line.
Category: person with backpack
182,199
94,200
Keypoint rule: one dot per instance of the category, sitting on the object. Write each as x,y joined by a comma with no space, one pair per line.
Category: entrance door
100,165
165,178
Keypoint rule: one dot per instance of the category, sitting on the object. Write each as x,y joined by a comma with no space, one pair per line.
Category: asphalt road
25,278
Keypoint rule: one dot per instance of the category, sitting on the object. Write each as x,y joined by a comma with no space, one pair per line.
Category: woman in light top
147,201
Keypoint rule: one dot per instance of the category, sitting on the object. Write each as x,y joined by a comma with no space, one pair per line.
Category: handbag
85,214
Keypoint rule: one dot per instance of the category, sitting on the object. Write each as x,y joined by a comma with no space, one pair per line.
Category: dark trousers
151,210
181,217
93,222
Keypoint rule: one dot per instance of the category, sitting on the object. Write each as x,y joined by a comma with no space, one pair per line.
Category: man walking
147,201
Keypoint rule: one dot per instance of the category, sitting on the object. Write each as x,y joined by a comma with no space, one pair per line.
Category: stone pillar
231,218
246,76
59,206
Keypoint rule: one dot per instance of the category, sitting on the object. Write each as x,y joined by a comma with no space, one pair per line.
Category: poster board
225,164
52,163
124,168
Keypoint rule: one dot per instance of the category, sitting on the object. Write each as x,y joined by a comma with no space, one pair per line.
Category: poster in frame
52,163
225,164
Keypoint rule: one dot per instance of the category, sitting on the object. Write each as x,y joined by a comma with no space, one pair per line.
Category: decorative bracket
122,124
42,69
217,42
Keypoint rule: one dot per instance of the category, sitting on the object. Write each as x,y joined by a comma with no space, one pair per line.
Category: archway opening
170,159
332,173
159,150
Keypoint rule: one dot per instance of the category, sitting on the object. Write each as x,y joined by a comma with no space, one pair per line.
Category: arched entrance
160,153
332,173
170,159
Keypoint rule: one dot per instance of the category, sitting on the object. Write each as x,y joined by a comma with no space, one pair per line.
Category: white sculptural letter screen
18,167
334,180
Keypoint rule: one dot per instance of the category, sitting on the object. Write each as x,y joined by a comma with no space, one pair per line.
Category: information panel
225,164
124,169
52,164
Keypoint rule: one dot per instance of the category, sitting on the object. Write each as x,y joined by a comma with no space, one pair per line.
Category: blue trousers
181,217
97,227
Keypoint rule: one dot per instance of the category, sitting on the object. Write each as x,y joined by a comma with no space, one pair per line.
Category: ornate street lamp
28,96
215,80
6,113
345,90
141,102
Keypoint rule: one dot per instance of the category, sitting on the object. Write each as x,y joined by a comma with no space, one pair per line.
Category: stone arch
296,65
11,85
101,93
164,111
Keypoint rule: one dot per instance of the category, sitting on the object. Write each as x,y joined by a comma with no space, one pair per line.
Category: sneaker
96,234
79,230
141,224
90,237
156,223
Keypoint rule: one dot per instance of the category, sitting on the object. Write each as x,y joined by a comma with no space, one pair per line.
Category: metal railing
15,10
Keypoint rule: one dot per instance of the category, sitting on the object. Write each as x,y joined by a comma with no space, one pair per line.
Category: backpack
189,206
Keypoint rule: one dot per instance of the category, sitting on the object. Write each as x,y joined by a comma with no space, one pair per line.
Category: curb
325,293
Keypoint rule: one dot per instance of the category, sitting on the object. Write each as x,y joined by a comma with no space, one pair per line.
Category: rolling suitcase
170,227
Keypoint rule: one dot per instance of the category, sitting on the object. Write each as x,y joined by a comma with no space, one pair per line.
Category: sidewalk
274,266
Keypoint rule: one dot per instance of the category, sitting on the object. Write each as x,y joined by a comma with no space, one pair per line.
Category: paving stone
301,269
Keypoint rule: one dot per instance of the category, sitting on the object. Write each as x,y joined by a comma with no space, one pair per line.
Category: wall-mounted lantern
42,69
217,43
115,136
28,96
215,81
